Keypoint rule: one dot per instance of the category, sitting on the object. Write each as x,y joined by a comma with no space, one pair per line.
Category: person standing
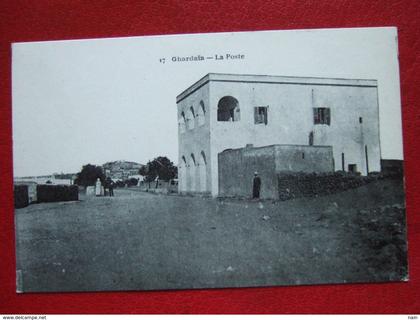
109,185
111,188
256,186
98,187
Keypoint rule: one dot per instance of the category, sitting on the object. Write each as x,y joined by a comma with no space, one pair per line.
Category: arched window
192,160
191,118
203,158
203,108
228,109
201,114
203,172
181,122
182,175
192,174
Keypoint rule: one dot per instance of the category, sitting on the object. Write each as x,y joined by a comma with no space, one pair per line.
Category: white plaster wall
345,133
290,119
194,141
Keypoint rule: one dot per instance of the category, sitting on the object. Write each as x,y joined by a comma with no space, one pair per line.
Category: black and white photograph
218,160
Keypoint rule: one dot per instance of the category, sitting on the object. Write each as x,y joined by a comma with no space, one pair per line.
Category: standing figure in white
98,187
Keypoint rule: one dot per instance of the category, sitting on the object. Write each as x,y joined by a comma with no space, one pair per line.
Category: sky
98,100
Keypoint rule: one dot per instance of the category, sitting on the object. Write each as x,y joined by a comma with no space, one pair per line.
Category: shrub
89,174
21,196
56,193
296,185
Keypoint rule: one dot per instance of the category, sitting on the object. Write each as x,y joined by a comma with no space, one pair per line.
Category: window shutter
265,115
316,118
327,116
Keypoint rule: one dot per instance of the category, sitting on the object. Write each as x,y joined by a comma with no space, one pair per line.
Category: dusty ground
142,241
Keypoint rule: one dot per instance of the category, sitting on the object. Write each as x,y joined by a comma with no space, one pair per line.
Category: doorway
352,168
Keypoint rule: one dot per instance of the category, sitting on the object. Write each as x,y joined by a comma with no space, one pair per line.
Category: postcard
242,159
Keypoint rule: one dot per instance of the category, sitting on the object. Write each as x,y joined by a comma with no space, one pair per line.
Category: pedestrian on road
111,189
256,186
109,185
98,188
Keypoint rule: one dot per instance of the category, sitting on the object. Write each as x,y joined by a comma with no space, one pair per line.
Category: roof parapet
247,78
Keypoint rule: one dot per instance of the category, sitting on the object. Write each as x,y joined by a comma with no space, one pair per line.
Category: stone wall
300,185
56,193
392,167
21,196
31,189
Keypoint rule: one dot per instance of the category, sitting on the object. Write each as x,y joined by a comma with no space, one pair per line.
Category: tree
89,174
161,168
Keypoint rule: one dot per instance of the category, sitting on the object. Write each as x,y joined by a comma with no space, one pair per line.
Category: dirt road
142,241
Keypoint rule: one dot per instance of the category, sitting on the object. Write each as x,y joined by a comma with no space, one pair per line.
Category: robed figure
98,187
256,186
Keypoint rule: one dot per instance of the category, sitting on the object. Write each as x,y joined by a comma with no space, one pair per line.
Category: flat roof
277,145
253,78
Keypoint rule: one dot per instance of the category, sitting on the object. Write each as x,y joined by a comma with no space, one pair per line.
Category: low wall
159,187
31,189
236,172
56,193
300,185
237,167
296,158
21,196
392,167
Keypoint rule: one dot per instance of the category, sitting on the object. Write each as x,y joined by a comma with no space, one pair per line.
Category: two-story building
227,111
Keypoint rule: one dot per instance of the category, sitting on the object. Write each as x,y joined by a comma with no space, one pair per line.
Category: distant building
225,111
121,170
63,179
32,181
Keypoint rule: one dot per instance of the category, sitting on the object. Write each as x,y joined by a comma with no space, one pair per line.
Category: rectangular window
260,115
322,116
